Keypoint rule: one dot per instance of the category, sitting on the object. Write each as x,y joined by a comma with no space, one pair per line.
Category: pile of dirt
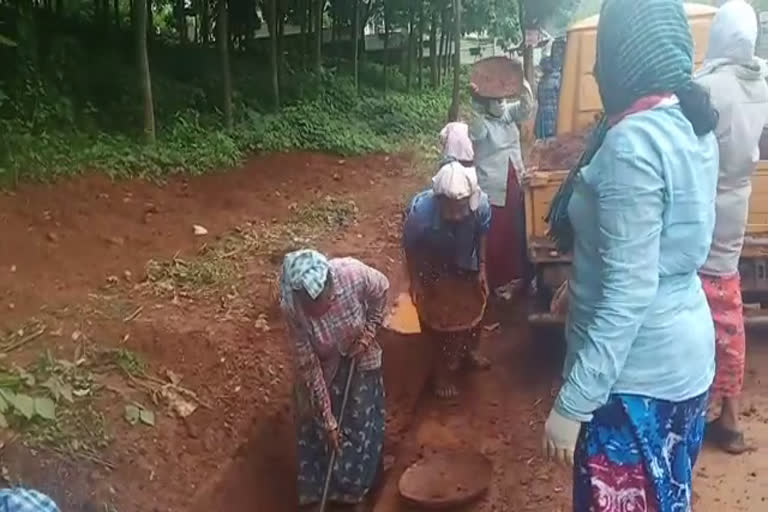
556,154
452,303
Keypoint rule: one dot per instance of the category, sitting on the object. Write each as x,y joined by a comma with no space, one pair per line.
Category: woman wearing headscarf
333,309
445,233
499,163
736,82
638,213
457,147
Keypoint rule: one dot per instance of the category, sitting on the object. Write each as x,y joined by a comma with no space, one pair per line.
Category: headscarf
733,35
644,47
456,142
457,182
19,499
304,270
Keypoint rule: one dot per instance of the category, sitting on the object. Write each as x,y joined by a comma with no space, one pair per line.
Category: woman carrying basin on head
735,79
333,309
638,213
499,162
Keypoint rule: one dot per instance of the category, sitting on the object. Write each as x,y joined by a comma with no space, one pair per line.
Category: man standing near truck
736,82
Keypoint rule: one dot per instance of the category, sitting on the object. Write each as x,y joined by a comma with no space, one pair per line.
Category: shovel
329,473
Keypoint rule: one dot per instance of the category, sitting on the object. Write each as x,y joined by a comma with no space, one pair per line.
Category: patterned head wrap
304,270
25,500
644,47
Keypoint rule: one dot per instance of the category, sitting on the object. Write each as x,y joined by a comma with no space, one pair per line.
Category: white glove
560,437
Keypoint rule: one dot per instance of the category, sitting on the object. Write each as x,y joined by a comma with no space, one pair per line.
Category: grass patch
220,265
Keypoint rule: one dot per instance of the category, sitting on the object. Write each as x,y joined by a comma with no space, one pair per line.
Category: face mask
496,108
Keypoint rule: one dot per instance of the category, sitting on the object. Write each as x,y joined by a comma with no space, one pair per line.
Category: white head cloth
455,181
456,142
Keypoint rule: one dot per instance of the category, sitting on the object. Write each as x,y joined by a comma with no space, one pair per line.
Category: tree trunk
60,7
453,113
386,46
273,35
302,7
433,73
411,48
144,75
205,22
318,65
222,41
150,21
420,51
443,44
105,14
181,21
310,26
356,42
116,9
528,67
280,44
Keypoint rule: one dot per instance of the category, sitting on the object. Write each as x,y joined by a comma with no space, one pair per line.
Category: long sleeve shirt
497,144
458,243
357,310
643,213
740,95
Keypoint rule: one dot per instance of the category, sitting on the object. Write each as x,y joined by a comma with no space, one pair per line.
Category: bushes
335,120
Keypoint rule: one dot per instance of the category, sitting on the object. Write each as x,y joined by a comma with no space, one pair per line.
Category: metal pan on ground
497,77
446,480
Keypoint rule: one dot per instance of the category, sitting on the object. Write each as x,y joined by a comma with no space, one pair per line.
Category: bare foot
477,361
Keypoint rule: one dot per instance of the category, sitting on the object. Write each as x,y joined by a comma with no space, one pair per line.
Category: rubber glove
560,437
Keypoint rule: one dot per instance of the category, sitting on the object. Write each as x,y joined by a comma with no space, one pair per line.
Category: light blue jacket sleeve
630,205
521,109
477,128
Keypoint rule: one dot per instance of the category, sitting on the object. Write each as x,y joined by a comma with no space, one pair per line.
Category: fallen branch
133,315
23,341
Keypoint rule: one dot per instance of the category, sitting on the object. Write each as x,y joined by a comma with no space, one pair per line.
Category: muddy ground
74,258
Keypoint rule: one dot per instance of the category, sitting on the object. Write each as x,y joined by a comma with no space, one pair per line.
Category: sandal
730,441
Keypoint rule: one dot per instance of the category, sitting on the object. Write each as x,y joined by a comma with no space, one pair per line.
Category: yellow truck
548,163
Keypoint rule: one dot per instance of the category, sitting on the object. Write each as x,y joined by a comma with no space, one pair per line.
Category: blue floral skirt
637,454
362,438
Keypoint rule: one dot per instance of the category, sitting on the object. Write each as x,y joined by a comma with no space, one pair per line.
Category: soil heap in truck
550,160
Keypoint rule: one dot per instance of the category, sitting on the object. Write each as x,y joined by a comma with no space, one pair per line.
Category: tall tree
144,76
453,113
411,46
420,49
318,54
273,37
433,62
356,42
222,41
387,32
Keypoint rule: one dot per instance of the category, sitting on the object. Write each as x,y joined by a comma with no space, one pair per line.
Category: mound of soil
556,154
452,303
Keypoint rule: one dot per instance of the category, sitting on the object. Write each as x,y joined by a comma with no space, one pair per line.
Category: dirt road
115,270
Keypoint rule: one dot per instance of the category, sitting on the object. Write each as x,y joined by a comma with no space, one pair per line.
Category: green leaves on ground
137,413
25,407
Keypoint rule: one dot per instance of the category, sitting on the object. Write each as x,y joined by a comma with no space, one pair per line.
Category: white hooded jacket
736,80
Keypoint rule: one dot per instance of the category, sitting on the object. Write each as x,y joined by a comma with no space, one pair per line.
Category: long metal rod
332,462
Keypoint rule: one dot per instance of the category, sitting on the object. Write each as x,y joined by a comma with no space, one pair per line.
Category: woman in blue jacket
638,213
